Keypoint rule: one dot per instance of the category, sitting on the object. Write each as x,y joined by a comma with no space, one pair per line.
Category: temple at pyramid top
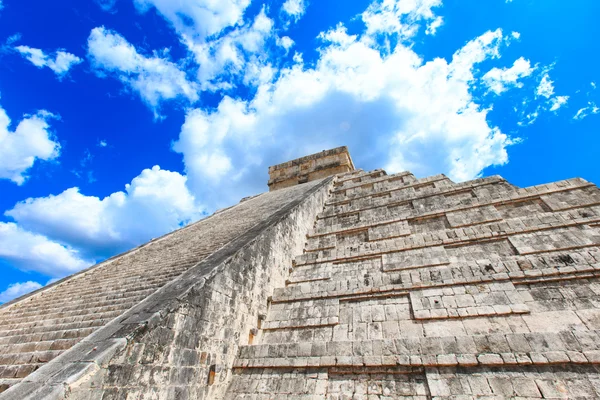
310,168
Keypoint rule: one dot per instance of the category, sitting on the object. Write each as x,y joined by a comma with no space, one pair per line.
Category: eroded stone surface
476,290
371,286
193,331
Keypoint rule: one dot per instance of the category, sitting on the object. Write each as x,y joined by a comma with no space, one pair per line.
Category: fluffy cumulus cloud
294,9
30,251
60,62
239,53
286,42
411,114
499,80
31,140
557,102
546,87
155,78
401,17
18,289
227,46
198,19
156,202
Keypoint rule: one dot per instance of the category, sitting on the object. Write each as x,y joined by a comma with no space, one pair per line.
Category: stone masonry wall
429,289
404,288
181,341
38,328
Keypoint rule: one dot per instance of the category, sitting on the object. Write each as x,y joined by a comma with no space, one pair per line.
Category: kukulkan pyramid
336,284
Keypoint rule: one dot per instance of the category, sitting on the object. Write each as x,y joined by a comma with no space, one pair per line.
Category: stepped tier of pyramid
337,284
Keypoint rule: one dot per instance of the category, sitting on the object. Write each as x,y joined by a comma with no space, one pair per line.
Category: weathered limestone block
467,301
523,208
480,250
389,231
303,313
516,382
572,199
409,259
559,239
321,243
473,216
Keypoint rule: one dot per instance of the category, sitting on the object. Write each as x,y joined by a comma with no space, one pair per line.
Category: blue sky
121,120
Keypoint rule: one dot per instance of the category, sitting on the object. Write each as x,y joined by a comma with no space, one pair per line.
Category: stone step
74,304
64,294
17,371
46,336
5,383
78,287
358,175
59,344
424,186
506,229
36,357
58,321
486,350
68,304
59,314
54,327
413,280
395,180
432,203
370,189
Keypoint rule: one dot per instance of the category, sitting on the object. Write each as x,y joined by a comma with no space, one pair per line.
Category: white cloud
18,289
198,19
434,25
557,102
102,143
515,35
224,59
586,111
294,9
338,36
531,117
286,42
61,63
12,39
401,17
30,251
106,5
544,100
546,87
155,78
499,80
410,114
236,57
156,202
30,140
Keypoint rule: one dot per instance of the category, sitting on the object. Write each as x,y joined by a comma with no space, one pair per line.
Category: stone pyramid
336,284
